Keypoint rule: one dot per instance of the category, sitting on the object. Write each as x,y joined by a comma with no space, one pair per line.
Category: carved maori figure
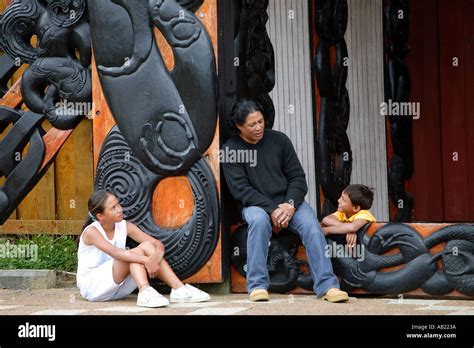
420,269
365,271
21,173
59,64
58,73
333,147
256,58
285,270
166,120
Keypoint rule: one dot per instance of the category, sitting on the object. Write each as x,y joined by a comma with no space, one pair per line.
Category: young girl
107,271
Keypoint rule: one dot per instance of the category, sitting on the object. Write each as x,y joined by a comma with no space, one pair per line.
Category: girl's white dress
94,272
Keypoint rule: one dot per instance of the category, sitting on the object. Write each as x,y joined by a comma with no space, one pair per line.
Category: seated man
271,191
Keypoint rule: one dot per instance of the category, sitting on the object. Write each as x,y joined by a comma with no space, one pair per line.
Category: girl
107,271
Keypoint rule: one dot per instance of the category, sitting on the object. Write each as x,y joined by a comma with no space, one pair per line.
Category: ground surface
67,301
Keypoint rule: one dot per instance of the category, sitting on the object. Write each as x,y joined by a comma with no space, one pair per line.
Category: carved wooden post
156,140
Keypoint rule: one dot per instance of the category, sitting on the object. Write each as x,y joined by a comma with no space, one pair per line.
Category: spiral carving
187,247
19,20
65,13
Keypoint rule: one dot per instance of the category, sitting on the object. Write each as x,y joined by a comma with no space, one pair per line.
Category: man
272,192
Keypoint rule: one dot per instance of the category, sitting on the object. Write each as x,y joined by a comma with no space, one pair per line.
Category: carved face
253,129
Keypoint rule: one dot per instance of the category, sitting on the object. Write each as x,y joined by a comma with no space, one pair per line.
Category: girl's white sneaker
151,298
188,294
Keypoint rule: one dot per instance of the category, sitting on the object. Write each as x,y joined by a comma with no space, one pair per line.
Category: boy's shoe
335,295
259,295
151,298
188,294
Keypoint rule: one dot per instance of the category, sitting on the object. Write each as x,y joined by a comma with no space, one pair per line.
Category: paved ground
67,301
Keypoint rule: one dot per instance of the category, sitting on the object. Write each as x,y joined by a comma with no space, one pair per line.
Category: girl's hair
95,204
240,111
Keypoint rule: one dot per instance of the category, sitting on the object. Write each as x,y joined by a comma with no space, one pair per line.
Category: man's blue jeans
306,225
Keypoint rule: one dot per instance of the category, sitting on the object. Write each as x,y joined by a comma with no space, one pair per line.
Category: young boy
352,213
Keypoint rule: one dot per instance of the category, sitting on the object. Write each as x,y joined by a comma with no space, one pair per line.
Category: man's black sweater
274,178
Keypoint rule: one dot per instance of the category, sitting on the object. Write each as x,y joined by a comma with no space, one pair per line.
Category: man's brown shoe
259,295
335,295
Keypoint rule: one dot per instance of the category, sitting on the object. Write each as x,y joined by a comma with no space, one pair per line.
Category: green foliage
39,252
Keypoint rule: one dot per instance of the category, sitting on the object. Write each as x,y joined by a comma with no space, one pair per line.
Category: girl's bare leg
121,270
165,272
167,275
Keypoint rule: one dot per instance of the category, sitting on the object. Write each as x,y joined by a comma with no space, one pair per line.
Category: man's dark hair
360,195
240,111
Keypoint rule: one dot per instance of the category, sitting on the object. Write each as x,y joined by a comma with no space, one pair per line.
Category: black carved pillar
397,90
333,150
254,60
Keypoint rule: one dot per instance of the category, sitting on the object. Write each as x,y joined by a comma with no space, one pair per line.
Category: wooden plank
39,204
53,140
454,154
74,176
102,117
63,227
3,5
426,184
12,98
468,38
239,283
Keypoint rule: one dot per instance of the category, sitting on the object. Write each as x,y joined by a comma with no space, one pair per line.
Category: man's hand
282,216
276,216
351,239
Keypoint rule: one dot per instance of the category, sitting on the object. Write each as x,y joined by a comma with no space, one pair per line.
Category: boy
352,213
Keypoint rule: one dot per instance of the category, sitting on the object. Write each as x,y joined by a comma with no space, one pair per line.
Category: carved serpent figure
420,269
166,120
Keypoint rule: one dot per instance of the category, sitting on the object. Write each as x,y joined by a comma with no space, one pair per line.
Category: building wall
288,28
367,133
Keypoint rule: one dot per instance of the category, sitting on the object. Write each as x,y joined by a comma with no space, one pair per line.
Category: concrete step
27,279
